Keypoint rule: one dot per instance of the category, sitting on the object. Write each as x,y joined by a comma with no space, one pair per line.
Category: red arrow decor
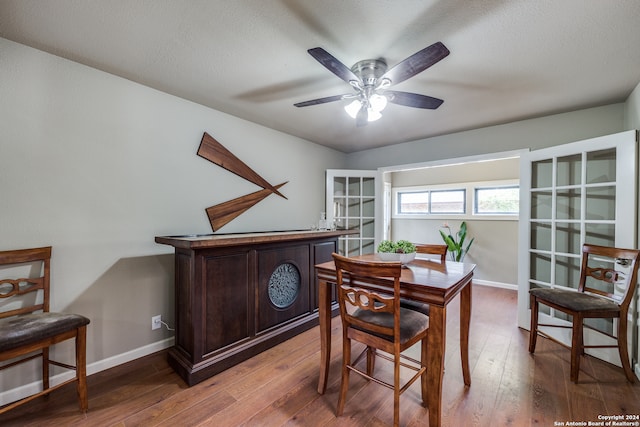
221,214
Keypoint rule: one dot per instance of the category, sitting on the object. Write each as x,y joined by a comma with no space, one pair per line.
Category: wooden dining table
426,281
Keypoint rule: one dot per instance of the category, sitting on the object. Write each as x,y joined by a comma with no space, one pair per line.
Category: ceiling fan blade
413,99
319,101
333,65
416,63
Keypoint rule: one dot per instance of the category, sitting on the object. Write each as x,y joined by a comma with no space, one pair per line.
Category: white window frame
469,188
492,187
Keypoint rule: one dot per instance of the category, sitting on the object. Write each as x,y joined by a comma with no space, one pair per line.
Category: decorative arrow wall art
221,214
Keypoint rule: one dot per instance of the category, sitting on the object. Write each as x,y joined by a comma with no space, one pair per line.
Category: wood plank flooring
278,387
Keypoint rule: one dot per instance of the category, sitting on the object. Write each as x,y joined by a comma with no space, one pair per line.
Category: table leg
324,312
465,322
435,362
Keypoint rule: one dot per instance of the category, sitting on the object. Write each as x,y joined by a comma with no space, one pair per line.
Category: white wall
533,133
632,110
97,166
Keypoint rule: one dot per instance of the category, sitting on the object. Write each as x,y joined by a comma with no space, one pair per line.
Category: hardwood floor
278,387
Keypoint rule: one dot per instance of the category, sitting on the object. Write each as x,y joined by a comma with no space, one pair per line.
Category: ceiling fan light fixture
355,107
378,102
352,108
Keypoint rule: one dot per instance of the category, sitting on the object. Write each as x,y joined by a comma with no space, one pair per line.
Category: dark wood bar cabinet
237,295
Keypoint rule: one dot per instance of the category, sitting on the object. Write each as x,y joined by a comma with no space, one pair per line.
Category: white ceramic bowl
403,258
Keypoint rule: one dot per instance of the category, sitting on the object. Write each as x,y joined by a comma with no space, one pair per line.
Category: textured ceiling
510,59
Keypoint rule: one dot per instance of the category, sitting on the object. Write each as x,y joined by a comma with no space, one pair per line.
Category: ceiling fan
371,79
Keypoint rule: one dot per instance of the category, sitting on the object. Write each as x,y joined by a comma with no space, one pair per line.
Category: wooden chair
603,292
378,321
433,250
27,325
429,249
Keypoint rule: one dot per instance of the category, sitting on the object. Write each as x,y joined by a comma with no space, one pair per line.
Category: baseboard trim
21,392
495,284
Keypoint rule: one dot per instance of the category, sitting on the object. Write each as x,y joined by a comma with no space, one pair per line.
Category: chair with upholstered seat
606,287
371,314
28,328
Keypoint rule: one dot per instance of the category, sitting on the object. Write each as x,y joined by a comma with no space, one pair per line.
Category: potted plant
455,244
402,250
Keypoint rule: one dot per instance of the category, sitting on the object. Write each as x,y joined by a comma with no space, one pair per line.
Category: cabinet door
226,313
283,285
350,201
584,192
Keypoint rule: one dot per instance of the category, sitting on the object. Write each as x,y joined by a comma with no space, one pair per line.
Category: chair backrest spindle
599,268
19,287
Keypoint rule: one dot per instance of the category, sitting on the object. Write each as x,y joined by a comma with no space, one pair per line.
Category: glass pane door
351,204
584,192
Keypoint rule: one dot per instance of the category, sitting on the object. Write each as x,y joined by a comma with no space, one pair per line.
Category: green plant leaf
405,246
386,246
401,246
456,246
449,241
469,245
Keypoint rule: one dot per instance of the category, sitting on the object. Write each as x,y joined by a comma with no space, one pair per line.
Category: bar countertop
193,241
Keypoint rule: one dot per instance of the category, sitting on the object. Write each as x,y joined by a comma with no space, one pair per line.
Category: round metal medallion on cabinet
284,285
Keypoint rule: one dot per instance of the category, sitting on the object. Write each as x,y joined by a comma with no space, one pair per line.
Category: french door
350,205
583,192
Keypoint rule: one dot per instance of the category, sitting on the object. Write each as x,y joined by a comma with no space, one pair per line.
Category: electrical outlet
156,322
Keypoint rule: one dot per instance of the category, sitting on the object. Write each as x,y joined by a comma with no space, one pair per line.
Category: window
413,202
497,200
466,200
431,202
447,201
